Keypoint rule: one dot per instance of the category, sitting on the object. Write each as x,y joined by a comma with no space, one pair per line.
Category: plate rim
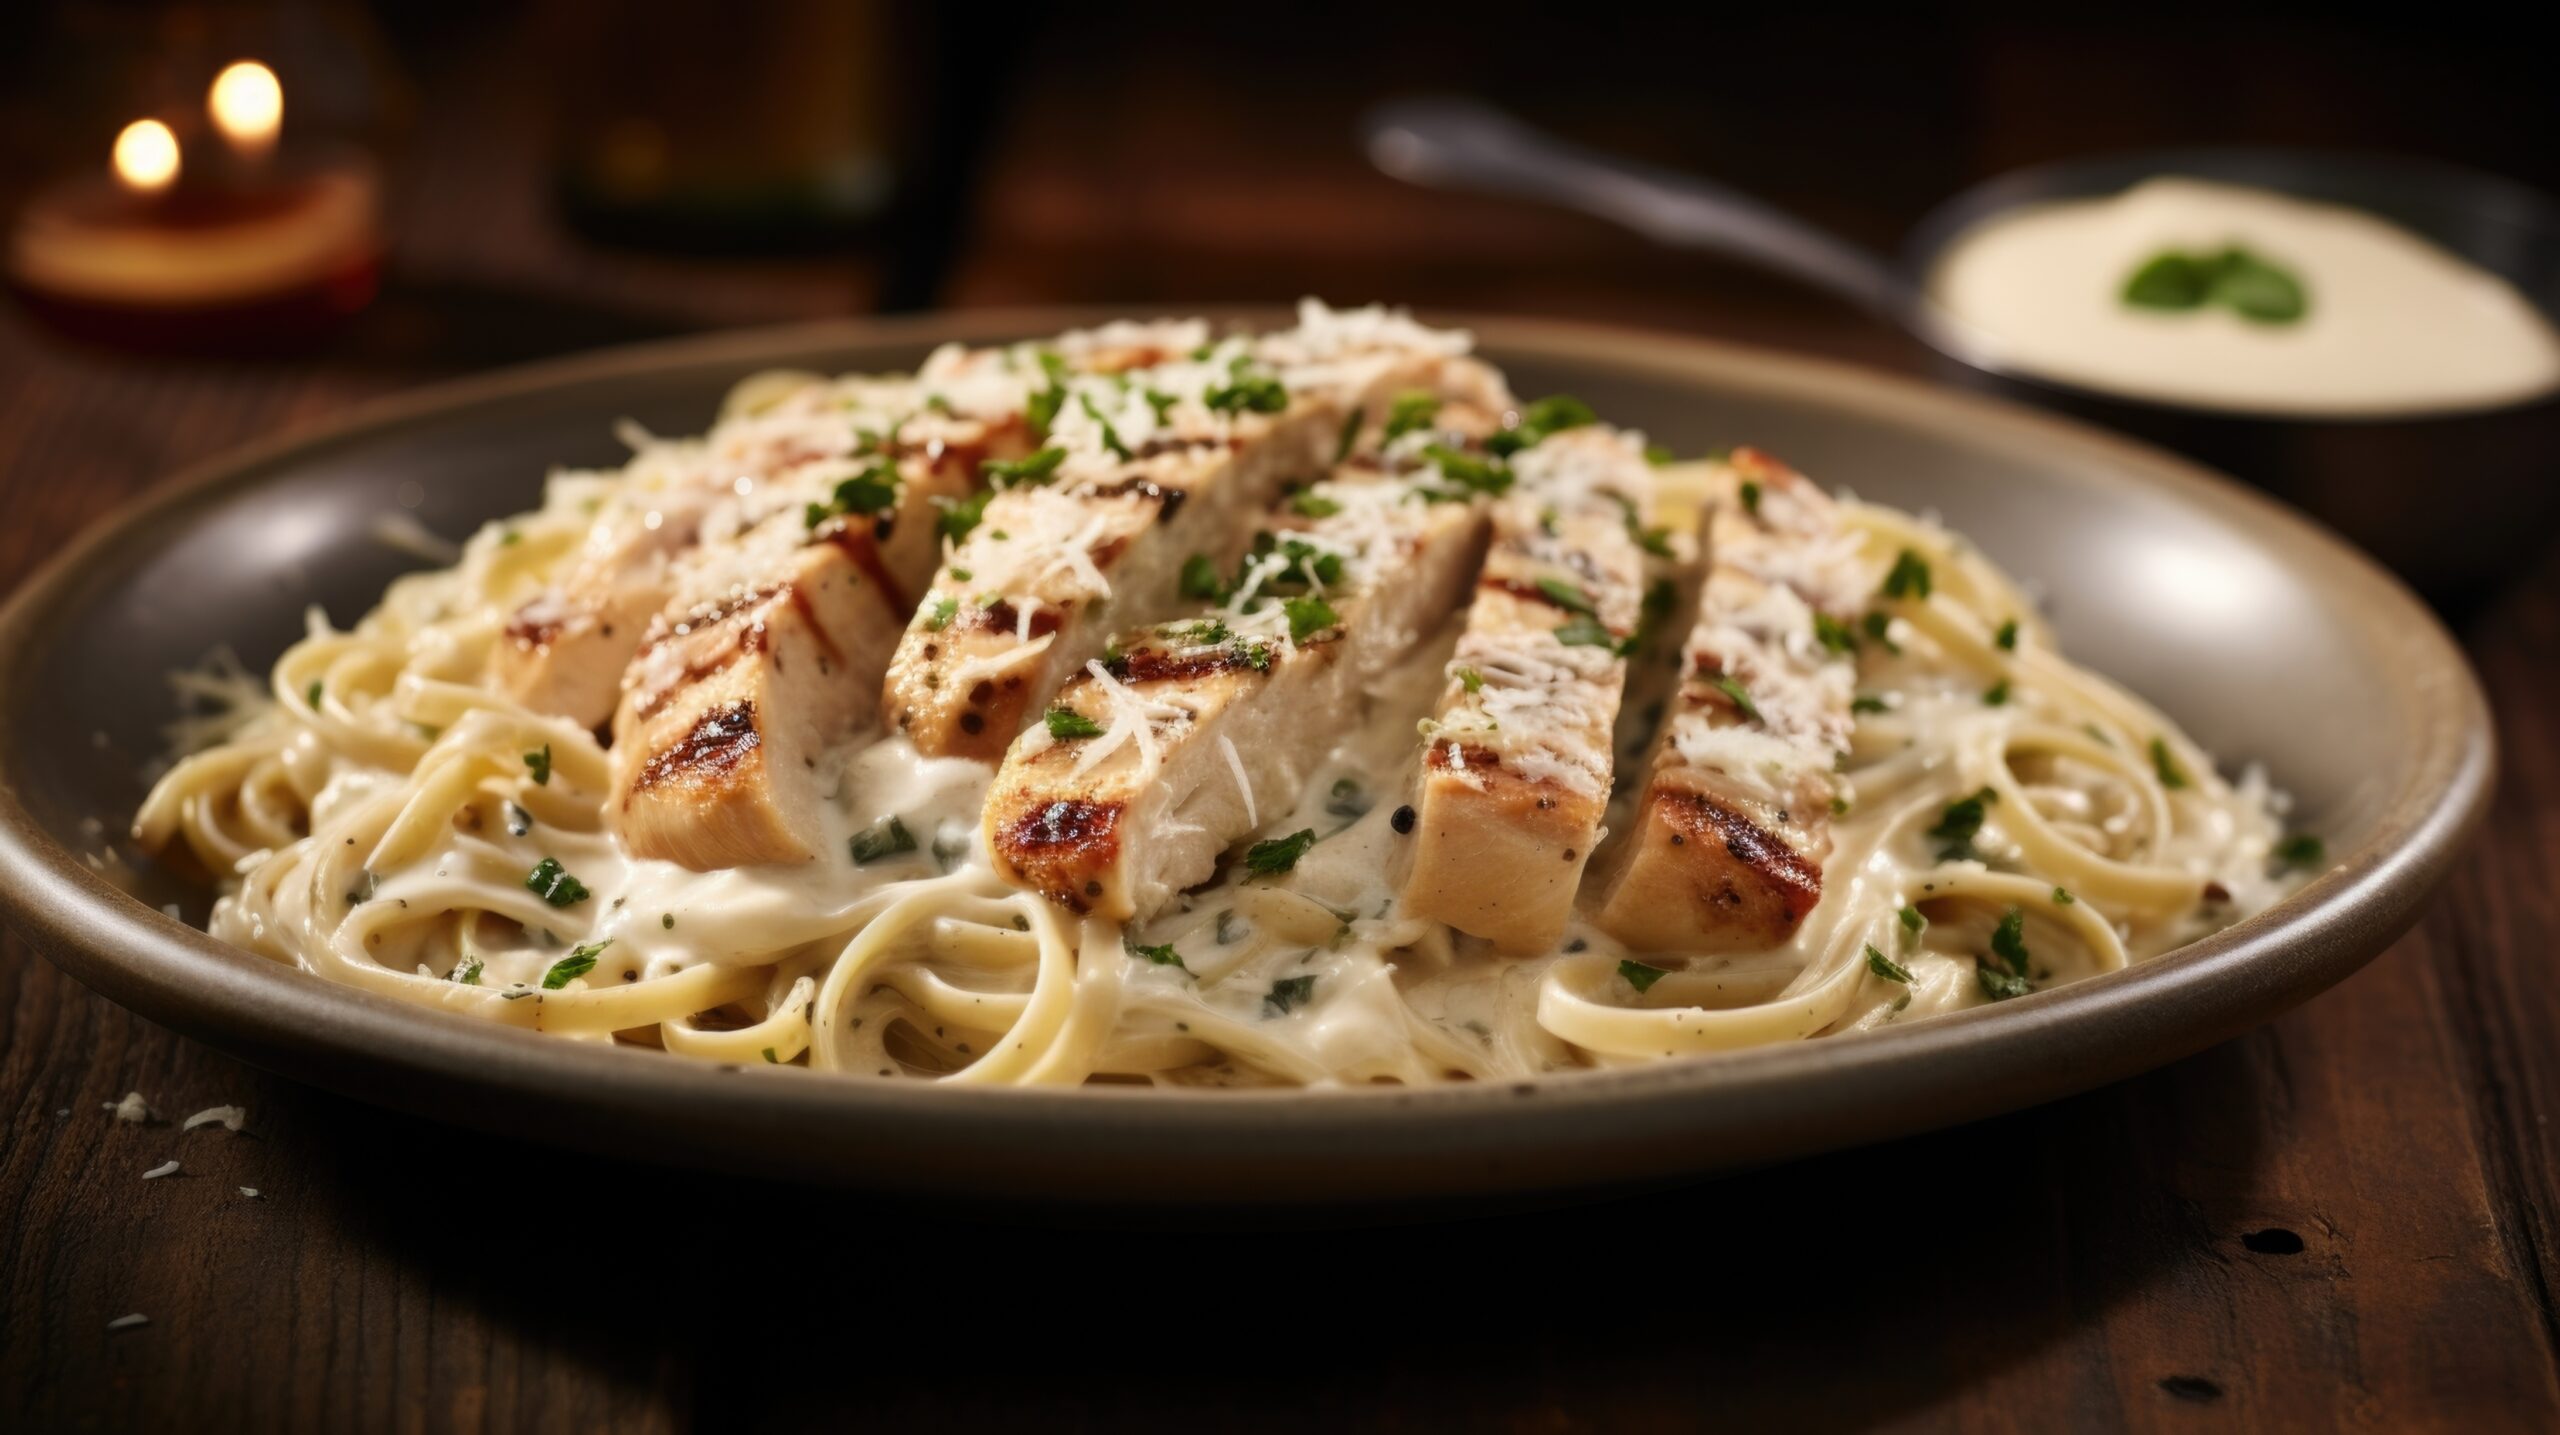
1538,1133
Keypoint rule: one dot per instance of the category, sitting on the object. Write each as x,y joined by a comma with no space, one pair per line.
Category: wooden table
2344,1219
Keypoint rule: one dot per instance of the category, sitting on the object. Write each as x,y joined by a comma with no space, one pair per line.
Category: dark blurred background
572,172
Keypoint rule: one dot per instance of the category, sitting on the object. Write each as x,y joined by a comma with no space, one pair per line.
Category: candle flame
146,156
247,105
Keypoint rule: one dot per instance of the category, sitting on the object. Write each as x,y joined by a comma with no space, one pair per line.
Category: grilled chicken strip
1517,759
1143,481
564,650
772,649
1159,758
1733,824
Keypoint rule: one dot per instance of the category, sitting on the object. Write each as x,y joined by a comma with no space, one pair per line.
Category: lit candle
274,246
247,108
145,159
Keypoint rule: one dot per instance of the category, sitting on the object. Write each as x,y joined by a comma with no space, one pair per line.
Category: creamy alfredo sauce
2394,325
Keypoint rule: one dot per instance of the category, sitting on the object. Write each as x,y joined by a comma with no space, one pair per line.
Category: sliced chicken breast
565,649
1155,760
771,651
1518,757
1732,827
1147,478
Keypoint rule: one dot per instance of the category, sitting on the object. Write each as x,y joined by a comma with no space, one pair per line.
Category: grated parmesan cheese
230,1118
1235,764
165,1168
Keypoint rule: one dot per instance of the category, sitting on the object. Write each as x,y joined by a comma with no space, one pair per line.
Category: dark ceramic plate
2263,636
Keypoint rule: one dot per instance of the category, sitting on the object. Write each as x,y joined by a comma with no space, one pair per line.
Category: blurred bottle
729,128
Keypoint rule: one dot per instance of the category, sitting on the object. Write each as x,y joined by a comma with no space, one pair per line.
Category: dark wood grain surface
2343,1220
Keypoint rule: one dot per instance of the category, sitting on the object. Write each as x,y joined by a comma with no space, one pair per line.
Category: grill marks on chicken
1733,824
1517,757
1150,477
1102,561
1157,759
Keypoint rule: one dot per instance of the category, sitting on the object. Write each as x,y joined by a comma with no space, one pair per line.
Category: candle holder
216,190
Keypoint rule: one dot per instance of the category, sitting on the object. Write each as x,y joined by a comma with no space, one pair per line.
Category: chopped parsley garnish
1996,695
938,614
1655,540
2172,776
1313,505
1751,498
1308,617
1834,635
2300,850
1999,984
1658,454
2009,941
1550,415
1880,628
1161,402
1887,968
870,491
1270,859
1913,924
1067,723
1200,579
1909,577
1584,631
1248,393
1110,435
540,765
1015,472
549,882
1640,976
2006,640
1569,596
1350,434
1288,993
2062,898
1477,475
468,973
312,693
1307,563
1471,680
1043,408
1201,633
770,1059
886,838
1726,684
1163,956
1409,412
579,962
960,515
1868,703
1961,823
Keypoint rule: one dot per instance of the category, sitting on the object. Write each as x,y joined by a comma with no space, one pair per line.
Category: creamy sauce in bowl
2390,323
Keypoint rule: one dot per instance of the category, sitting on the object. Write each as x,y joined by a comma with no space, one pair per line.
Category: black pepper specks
1402,822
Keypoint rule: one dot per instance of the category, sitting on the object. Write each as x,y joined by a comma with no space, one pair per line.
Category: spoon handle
1451,143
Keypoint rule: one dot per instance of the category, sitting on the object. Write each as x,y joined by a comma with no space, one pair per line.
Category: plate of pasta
1326,754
